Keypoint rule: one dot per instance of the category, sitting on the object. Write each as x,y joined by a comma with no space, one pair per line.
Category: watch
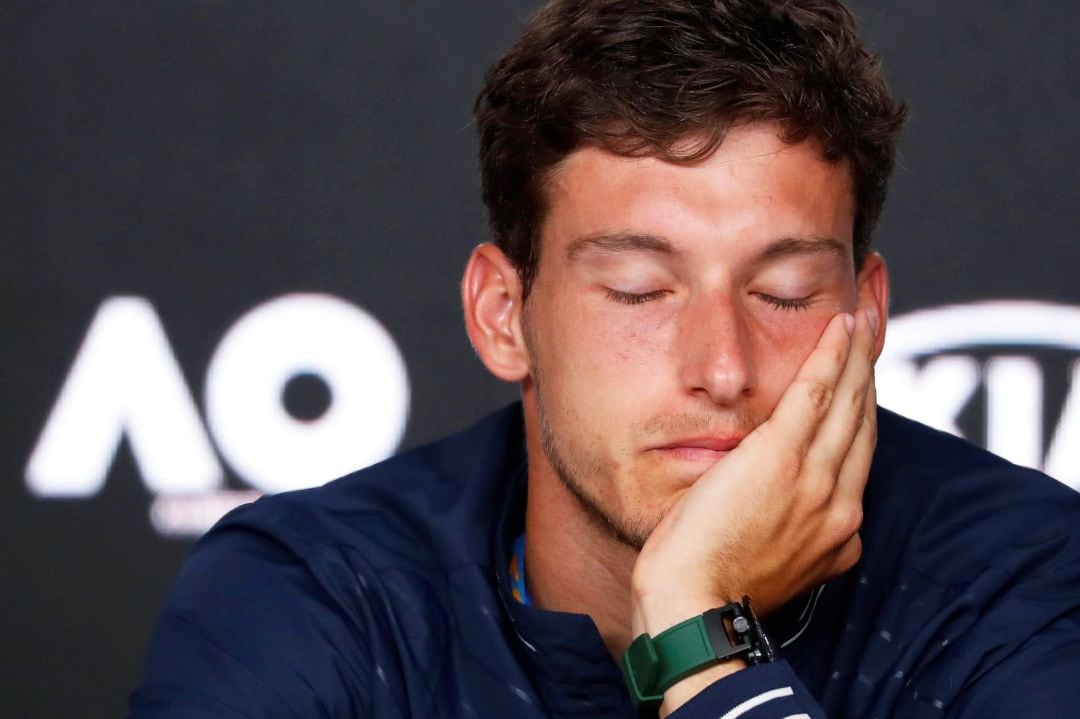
651,665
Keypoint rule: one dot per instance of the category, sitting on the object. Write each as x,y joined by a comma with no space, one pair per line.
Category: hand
781,512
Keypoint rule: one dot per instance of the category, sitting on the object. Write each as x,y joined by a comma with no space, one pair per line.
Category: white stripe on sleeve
757,701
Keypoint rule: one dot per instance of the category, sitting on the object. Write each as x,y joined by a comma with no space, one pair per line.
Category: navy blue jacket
384,594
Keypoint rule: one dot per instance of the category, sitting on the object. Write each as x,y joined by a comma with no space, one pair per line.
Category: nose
714,348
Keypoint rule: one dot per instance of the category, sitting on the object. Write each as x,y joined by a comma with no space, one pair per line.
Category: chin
654,506
666,475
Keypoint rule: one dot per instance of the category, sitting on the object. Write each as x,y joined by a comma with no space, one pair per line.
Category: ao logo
125,381
937,390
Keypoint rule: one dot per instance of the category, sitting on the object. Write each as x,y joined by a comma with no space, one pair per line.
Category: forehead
753,189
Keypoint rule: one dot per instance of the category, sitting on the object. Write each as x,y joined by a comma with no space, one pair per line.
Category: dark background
209,156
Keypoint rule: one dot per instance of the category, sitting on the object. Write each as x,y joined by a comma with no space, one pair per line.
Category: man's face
672,306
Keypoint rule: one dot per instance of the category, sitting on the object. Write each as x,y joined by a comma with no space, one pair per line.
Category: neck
571,563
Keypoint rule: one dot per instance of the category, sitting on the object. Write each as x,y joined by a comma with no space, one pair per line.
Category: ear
872,288
491,296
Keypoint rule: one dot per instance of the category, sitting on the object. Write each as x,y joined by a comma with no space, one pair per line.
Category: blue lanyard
517,572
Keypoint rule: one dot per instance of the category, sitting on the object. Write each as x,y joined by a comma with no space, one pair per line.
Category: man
682,195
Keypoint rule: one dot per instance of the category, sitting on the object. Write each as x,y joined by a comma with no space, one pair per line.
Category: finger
842,421
851,482
847,556
806,401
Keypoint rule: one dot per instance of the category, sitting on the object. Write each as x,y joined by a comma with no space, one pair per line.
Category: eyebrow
794,246
634,242
619,242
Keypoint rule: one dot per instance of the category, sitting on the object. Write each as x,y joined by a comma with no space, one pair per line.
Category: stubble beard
630,531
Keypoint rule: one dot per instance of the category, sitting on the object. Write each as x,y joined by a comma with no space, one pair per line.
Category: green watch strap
683,649
651,665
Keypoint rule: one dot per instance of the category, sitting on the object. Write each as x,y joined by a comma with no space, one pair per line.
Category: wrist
666,665
653,611
686,689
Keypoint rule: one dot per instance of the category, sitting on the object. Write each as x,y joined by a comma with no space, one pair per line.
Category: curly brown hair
667,78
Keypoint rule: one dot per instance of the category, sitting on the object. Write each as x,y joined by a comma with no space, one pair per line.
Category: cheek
610,358
634,341
783,344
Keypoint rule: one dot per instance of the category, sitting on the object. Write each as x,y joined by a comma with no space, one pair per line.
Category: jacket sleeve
249,631
766,691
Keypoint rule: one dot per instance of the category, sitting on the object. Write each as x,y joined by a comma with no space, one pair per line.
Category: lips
700,449
717,444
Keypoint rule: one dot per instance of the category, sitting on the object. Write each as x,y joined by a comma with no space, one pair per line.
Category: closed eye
785,303
635,298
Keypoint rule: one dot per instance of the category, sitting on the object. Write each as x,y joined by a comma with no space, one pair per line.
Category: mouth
699,449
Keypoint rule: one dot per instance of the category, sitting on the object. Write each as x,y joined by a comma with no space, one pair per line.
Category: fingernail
871,316
849,323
